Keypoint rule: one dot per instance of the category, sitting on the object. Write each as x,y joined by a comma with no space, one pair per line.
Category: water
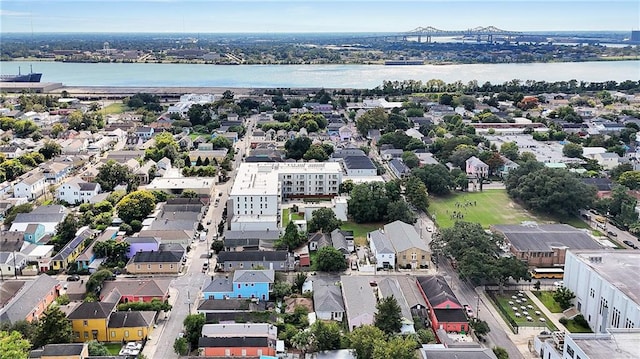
330,76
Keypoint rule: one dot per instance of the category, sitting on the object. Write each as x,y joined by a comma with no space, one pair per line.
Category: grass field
574,327
360,231
546,298
113,348
503,301
285,217
487,207
115,108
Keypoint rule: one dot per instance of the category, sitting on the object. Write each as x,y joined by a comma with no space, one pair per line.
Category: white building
31,187
616,343
606,286
259,187
188,100
77,191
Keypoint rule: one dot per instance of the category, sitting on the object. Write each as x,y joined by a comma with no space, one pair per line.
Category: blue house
245,284
34,232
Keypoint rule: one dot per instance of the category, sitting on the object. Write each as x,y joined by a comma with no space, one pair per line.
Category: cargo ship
30,77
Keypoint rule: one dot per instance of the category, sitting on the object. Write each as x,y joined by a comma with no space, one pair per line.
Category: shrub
579,319
563,321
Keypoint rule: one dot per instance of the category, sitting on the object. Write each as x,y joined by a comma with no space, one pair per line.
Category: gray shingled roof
380,241
67,349
404,236
92,310
252,256
254,276
157,257
327,298
359,300
218,284
26,299
358,162
541,238
131,319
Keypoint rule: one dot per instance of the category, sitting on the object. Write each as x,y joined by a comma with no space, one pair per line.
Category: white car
469,311
559,283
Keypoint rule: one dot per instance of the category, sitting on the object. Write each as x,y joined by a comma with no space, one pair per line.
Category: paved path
553,317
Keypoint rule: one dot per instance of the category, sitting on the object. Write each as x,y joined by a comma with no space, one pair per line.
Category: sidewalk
149,349
553,317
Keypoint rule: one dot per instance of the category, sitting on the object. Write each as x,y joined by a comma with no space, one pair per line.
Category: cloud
13,13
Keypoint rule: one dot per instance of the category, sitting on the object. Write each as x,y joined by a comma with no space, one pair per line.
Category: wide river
329,76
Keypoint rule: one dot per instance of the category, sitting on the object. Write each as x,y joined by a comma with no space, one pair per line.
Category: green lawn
503,301
573,327
546,298
296,216
285,217
491,207
115,108
360,230
114,348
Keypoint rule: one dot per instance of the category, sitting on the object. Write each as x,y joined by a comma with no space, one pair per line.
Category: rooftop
619,344
543,238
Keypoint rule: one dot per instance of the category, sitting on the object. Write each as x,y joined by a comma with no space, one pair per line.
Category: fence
503,313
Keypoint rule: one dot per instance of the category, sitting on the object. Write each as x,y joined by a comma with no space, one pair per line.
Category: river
329,76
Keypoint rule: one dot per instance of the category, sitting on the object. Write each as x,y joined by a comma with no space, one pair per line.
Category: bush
579,319
564,321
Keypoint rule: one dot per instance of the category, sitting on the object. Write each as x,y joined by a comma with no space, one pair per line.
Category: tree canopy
436,178
323,220
297,147
330,259
13,345
291,239
388,316
112,174
136,205
376,118
53,328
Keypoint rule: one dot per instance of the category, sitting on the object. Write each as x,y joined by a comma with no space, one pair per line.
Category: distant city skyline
273,16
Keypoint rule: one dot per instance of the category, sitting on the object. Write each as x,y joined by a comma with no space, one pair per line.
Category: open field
546,297
487,207
115,108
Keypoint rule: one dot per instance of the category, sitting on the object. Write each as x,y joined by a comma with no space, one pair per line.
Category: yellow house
99,321
89,321
70,251
130,326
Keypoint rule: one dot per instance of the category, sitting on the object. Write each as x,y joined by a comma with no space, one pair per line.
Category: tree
53,328
376,118
66,230
416,193
326,336
315,152
461,154
446,99
281,289
397,348
549,190
468,102
510,150
426,336
298,281
388,316
510,267
364,340
436,178
563,296
330,260
410,159
221,142
136,205
193,324
324,220
346,186
480,327
368,202
303,341
112,174
97,349
15,210
630,179
291,238
50,149
501,353
13,345
572,150
400,211
181,346
297,147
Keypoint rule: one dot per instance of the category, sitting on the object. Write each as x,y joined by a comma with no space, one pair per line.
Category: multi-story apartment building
259,188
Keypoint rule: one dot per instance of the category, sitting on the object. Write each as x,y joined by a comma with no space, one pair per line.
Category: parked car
73,278
205,267
429,228
469,311
612,234
629,243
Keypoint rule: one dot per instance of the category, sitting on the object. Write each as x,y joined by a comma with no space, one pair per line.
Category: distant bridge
480,33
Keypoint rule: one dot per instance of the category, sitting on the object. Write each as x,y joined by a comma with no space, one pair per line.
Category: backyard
288,216
360,230
113,348
115,108
519,309
546,298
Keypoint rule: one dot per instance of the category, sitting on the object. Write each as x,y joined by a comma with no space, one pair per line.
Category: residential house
156,262
27,300
399,168
382,249
77,191
142,244
445,311
410,250
276,260
604,186
391,153
56,172
244,284
61,351
72,249
87,259
11,263
544,245
390,287
144,132
607,160
343,241
130,325
238,340
327,301
11,152
506,166
34,232
318,240
138,290
249,240
359,300
49,216
359,166
31,187
475,167
345,133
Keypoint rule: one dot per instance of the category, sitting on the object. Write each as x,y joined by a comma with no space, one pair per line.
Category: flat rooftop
618,267
620,344
545,152
543,238
263,178
182,183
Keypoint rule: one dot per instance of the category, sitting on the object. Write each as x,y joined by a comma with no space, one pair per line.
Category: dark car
612,234
73,278
629,243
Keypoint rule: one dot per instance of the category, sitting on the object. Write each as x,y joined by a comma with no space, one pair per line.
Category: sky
275,16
